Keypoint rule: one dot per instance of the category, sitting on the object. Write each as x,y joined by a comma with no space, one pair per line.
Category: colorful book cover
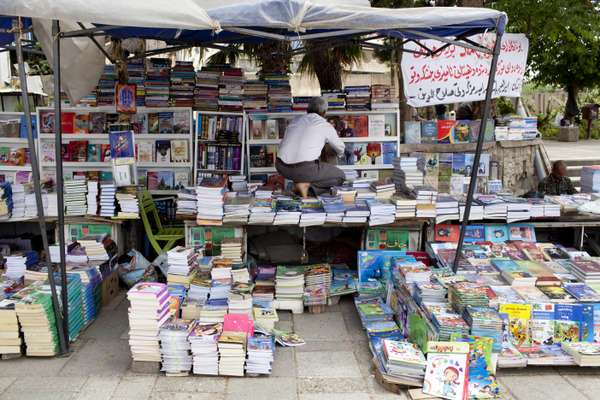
376,264
182,179
474,130
447,233
163,151
121,145
179,151
165,122
496,233
47,121
568,320
82,123
125,98
482,383
582,292
145,151
93,152
160,180
519,316
67,122
444,130
97,122
524,232
458,163
153,123
474,233
432,169
460,132
388,150
429,132
586,333
447,370
139,123
445,172
105,152
181,122
542,324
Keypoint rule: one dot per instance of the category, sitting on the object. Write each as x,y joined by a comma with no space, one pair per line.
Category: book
145,151
93,153
429,132
179,151
496,233
541,324
160,180
582,292
584,354
46,121
474,233
125,98
97,122
165,122
121,145
412,131
163,151
376,125
181,122
568,321
447,370
444,130
460,132
447,233
519,316
81,124
524,232
67,122
153,123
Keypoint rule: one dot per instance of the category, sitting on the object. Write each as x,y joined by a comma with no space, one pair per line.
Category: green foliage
505,106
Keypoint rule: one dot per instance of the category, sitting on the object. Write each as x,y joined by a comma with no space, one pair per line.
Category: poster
457,74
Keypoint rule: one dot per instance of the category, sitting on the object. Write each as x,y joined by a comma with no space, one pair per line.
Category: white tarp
460,75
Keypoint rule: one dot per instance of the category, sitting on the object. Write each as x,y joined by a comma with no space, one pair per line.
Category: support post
37,183
59,178
480,139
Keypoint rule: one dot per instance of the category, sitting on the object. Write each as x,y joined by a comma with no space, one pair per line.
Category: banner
458,74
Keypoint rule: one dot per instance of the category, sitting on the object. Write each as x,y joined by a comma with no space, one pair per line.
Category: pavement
581,150
333,365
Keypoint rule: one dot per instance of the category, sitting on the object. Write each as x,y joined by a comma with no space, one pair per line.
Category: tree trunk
328,71
571,108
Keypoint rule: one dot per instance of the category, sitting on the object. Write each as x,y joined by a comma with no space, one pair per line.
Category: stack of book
240,299
260,355
92,197
231,90
107,199
446,209
149,310
477,212
264,284
289,282
214,310
313,212
75,197
158,73
426,197
334,207
382,98
382,212
412,175
36,316
517,209
236,208
183,83
403,359
358,98
50,205
94,250
231,248
31,205
232,352
301,103
336,99
18,201
406,206
261,211
586,270
288,211
181,261
90,286
186,202
493,207
210,199
206,92
74,288
240,273
357,212
128,205
280,92
265,317
590,179
10,339
383,188
203,339
485,322
255,96
175,347
136,74
15,266
199,289
318,281
105,94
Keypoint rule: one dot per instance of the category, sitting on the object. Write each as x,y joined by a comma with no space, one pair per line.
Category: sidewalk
333,365
584,149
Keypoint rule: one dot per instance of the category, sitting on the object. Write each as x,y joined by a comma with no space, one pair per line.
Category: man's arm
334,141
570,188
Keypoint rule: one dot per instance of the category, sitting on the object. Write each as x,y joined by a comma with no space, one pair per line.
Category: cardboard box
110,287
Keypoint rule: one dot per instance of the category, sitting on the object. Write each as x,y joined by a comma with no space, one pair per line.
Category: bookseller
300,149
557,182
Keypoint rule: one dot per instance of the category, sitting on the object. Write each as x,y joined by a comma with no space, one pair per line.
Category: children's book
447,370
541,325
568,320
482,382
474,233
496,233
524,232
519,316
447,233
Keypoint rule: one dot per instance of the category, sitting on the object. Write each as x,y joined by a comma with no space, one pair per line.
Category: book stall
443,305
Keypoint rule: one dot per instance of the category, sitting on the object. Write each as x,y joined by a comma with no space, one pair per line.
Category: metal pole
480,138
59,178
36,177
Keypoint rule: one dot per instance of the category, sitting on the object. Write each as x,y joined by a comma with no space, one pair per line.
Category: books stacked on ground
158,73
485,322
590,179
264,284
313,212
265,317
240,273
214,310
15,266
343,280
92,197
199,289
210,199
301,103
231,248
406,206
382,212
149,310
10,339
510,357
105,94
231,90
203,340
289,282
75,197
107,199
446,209
446,323
240,299
382,98
236,208
90,285
280,91
181,261
186,202
232,352
336,99
74,289
183,82
412,175
206,92
403,359
136,73
260,355
255,96
175,347
358,98
18,201
36,316
128,205
318,281
584,354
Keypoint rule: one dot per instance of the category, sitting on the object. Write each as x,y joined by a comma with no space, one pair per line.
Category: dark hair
557,164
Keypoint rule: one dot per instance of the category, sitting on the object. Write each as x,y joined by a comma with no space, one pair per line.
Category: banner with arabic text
458,75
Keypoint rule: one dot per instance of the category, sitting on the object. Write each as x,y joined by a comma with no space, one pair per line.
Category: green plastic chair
154,230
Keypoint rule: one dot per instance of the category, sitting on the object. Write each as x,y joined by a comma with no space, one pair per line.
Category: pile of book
128,205
92,197
158,73
288,211
236,209
301,103
18,201
232,352
255,96
409,171
136,75
107,199
15,266
313,212
289,283
105,93
183,83
356,212
406,206
181,262
90,291
381,212
403,359
231,90
382,98
175,347
260,355
358,98
203,340
231,248
426,197
210,199
75,306
186,202
264,285
590,179
35,313
75,197
10,338
317,280
149,310
206,92
280,92
446,209
336,99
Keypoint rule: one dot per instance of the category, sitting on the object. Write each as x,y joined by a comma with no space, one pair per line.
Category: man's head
559,169
317,105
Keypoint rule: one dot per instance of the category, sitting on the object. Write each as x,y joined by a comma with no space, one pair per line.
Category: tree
564,43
